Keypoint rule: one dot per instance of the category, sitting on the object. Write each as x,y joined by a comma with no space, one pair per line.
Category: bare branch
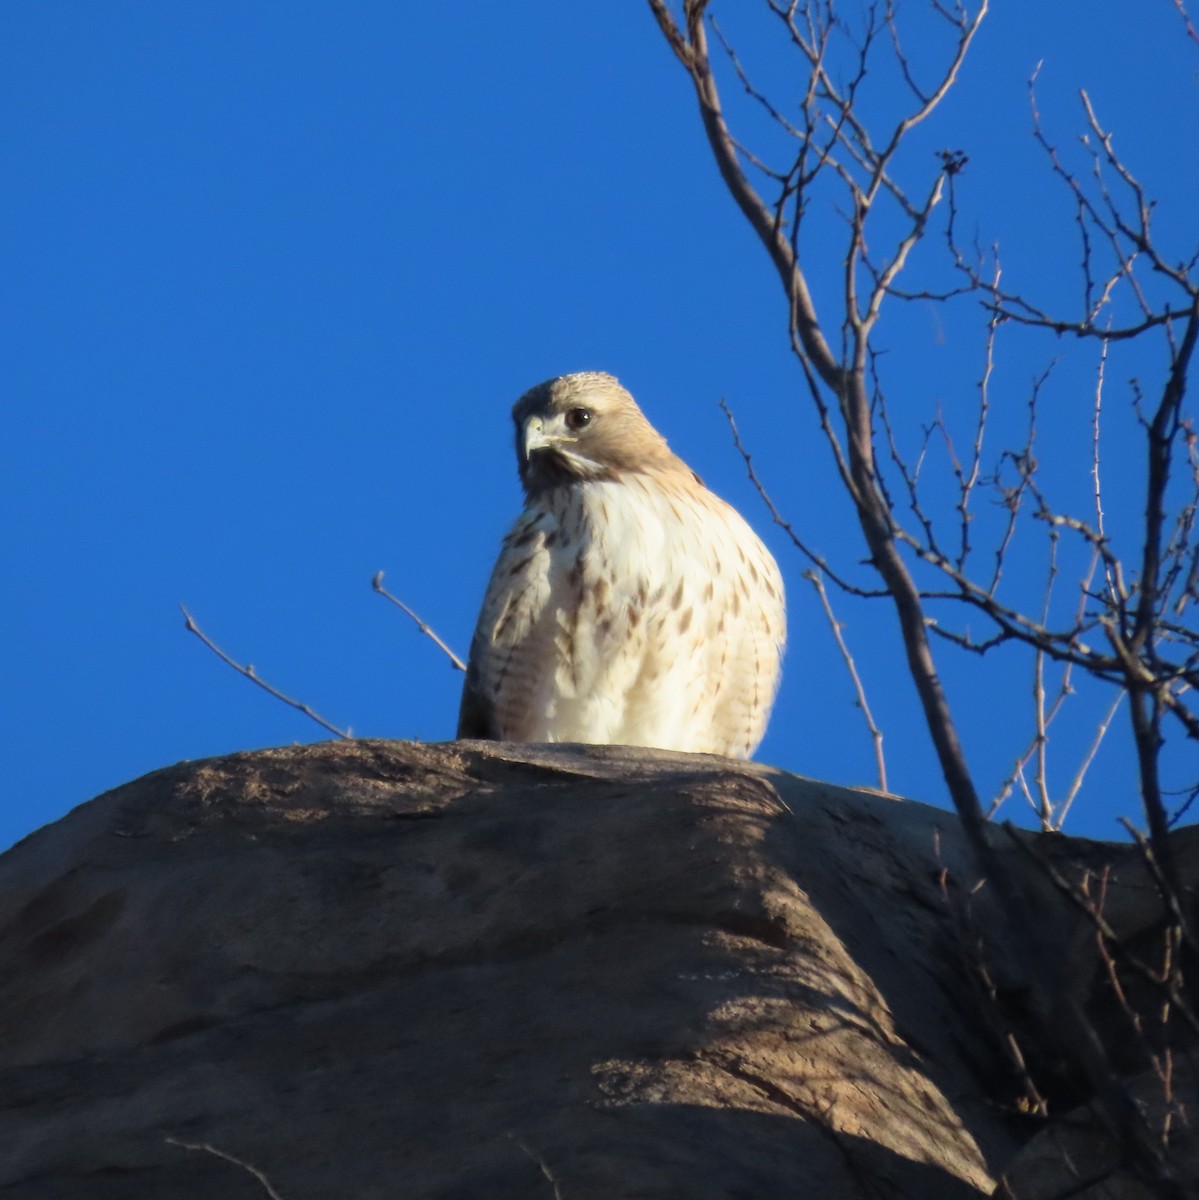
691,49
876,735
1161,872
1139,236
1044,805
549,1176
1021,312
967,481
206,1148
1184,807
816,559
755,94
1192,33
249,672
1085,765
424,627
1119,630
1079,898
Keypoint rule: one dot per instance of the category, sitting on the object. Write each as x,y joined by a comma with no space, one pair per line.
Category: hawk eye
578,418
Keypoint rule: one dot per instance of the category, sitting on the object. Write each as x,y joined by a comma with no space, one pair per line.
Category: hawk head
583,427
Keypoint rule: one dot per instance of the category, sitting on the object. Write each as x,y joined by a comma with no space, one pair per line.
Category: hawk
629,604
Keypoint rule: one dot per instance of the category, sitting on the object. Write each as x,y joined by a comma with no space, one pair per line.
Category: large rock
374,969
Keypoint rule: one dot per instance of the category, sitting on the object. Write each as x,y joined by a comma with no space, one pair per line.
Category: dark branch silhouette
1113,617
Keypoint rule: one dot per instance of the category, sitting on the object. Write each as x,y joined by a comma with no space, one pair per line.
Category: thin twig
1181,811
863,167
959,906
876,734
423,626
817,560
206,1148
1161,1063
1192,32
1171,897
1167,985
1100,732
836,356
1043,805
542,1164
249,672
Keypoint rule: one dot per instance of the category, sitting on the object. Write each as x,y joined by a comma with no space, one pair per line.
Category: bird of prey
629,604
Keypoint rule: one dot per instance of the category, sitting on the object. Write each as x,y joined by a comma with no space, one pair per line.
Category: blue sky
274,275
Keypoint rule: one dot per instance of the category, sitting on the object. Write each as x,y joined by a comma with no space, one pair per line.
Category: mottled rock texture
383,969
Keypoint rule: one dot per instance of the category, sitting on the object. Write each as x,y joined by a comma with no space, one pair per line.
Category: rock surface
385,969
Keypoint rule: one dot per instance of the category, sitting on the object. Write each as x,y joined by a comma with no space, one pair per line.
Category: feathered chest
628,542
637,610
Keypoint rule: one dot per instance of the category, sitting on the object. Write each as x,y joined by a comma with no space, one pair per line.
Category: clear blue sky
273,275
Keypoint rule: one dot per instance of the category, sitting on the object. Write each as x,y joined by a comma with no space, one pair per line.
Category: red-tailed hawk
629,604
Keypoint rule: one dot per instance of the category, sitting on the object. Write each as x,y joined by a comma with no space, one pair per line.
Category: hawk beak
536,437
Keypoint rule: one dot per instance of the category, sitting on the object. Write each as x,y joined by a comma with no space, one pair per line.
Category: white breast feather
646,613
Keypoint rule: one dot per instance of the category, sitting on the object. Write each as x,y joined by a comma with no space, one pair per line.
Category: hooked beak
537,437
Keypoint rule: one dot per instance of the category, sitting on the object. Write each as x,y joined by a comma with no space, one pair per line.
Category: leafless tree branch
815,558
206,1148
876,734
1120,619
426,629
1191,32
542,1165
248,671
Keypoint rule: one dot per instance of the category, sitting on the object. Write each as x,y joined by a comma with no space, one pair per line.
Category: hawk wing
502,650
